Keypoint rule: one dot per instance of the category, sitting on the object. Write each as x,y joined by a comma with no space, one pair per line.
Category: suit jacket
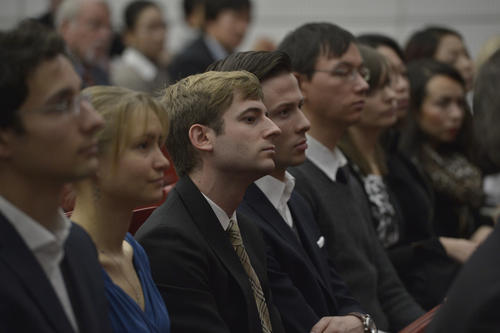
474,298
343,215
196,269
304,283
28,302
194,59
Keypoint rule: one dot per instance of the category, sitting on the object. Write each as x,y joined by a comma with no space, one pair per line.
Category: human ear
6,137
201,137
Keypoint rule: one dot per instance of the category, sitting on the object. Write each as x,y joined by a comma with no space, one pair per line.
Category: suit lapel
259,203
208,224
15,253
310,241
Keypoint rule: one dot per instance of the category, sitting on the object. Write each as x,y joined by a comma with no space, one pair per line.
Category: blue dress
125,313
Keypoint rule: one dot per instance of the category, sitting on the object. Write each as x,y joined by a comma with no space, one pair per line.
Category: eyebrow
62,93
286,104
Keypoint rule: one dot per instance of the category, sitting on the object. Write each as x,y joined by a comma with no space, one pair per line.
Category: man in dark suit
332,79
50,279
306,288
225,26
212,274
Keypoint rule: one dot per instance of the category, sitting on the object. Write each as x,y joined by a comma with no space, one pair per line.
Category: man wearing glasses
332,78
50,279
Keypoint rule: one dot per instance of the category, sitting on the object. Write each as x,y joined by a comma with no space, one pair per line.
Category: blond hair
202,99
118,106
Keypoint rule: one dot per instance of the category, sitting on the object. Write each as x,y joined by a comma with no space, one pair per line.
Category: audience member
48,18
390,49
50,279
85,27
130,174
191,27
225,26
474,298
142,65
439,138
486,51
212,275
332,79
306,287
420,260
444,45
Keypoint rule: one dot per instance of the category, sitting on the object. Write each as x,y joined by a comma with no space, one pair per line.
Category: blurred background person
193,12
85,27
442,44
415,252
48,18
130,174
473,300
440,140
142,66
225,26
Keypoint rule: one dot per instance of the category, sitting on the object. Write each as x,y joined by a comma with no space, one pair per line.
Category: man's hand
337,324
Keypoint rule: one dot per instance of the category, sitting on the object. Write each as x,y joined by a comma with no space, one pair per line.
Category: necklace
136,290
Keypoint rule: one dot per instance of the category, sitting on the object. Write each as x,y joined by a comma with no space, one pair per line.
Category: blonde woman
130,174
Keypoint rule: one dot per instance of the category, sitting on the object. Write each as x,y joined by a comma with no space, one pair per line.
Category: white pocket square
321,242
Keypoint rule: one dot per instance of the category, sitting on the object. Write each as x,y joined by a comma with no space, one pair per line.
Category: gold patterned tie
236,241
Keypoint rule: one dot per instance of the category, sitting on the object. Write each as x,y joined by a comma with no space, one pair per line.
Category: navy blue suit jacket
28,302
303,281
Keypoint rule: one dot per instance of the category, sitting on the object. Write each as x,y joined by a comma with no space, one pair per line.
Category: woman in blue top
130,174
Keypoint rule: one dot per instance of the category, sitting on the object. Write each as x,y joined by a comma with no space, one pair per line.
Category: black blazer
197,270
194,59
473,301
28,302
304,283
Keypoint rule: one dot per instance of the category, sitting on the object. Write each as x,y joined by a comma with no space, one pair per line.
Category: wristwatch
366,320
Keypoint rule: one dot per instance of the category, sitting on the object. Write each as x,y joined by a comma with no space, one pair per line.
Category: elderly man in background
85,27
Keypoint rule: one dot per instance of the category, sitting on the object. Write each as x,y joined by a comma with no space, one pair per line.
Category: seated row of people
268,229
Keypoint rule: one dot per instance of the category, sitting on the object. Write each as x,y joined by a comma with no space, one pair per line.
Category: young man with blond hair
207,260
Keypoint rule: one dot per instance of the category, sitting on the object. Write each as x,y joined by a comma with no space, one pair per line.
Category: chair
139,216
420,324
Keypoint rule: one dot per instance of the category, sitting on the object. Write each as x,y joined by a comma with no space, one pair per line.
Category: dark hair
263,64
305,44
134,10
377,40
189,5
22,50
378,66
214,7
424,43
420,73
487,110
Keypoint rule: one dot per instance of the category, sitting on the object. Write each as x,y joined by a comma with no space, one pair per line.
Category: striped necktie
235,238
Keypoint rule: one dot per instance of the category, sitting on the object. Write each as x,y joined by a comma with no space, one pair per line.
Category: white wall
477,20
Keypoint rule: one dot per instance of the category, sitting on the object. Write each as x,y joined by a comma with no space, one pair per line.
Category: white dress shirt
278,193
329,161
47,246
221,214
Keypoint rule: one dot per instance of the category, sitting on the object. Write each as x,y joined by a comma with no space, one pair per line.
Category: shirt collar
215,48
146,69
220,213
276,191
33,233
329,161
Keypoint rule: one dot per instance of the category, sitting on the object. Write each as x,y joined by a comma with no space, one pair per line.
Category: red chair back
420,324
139,216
